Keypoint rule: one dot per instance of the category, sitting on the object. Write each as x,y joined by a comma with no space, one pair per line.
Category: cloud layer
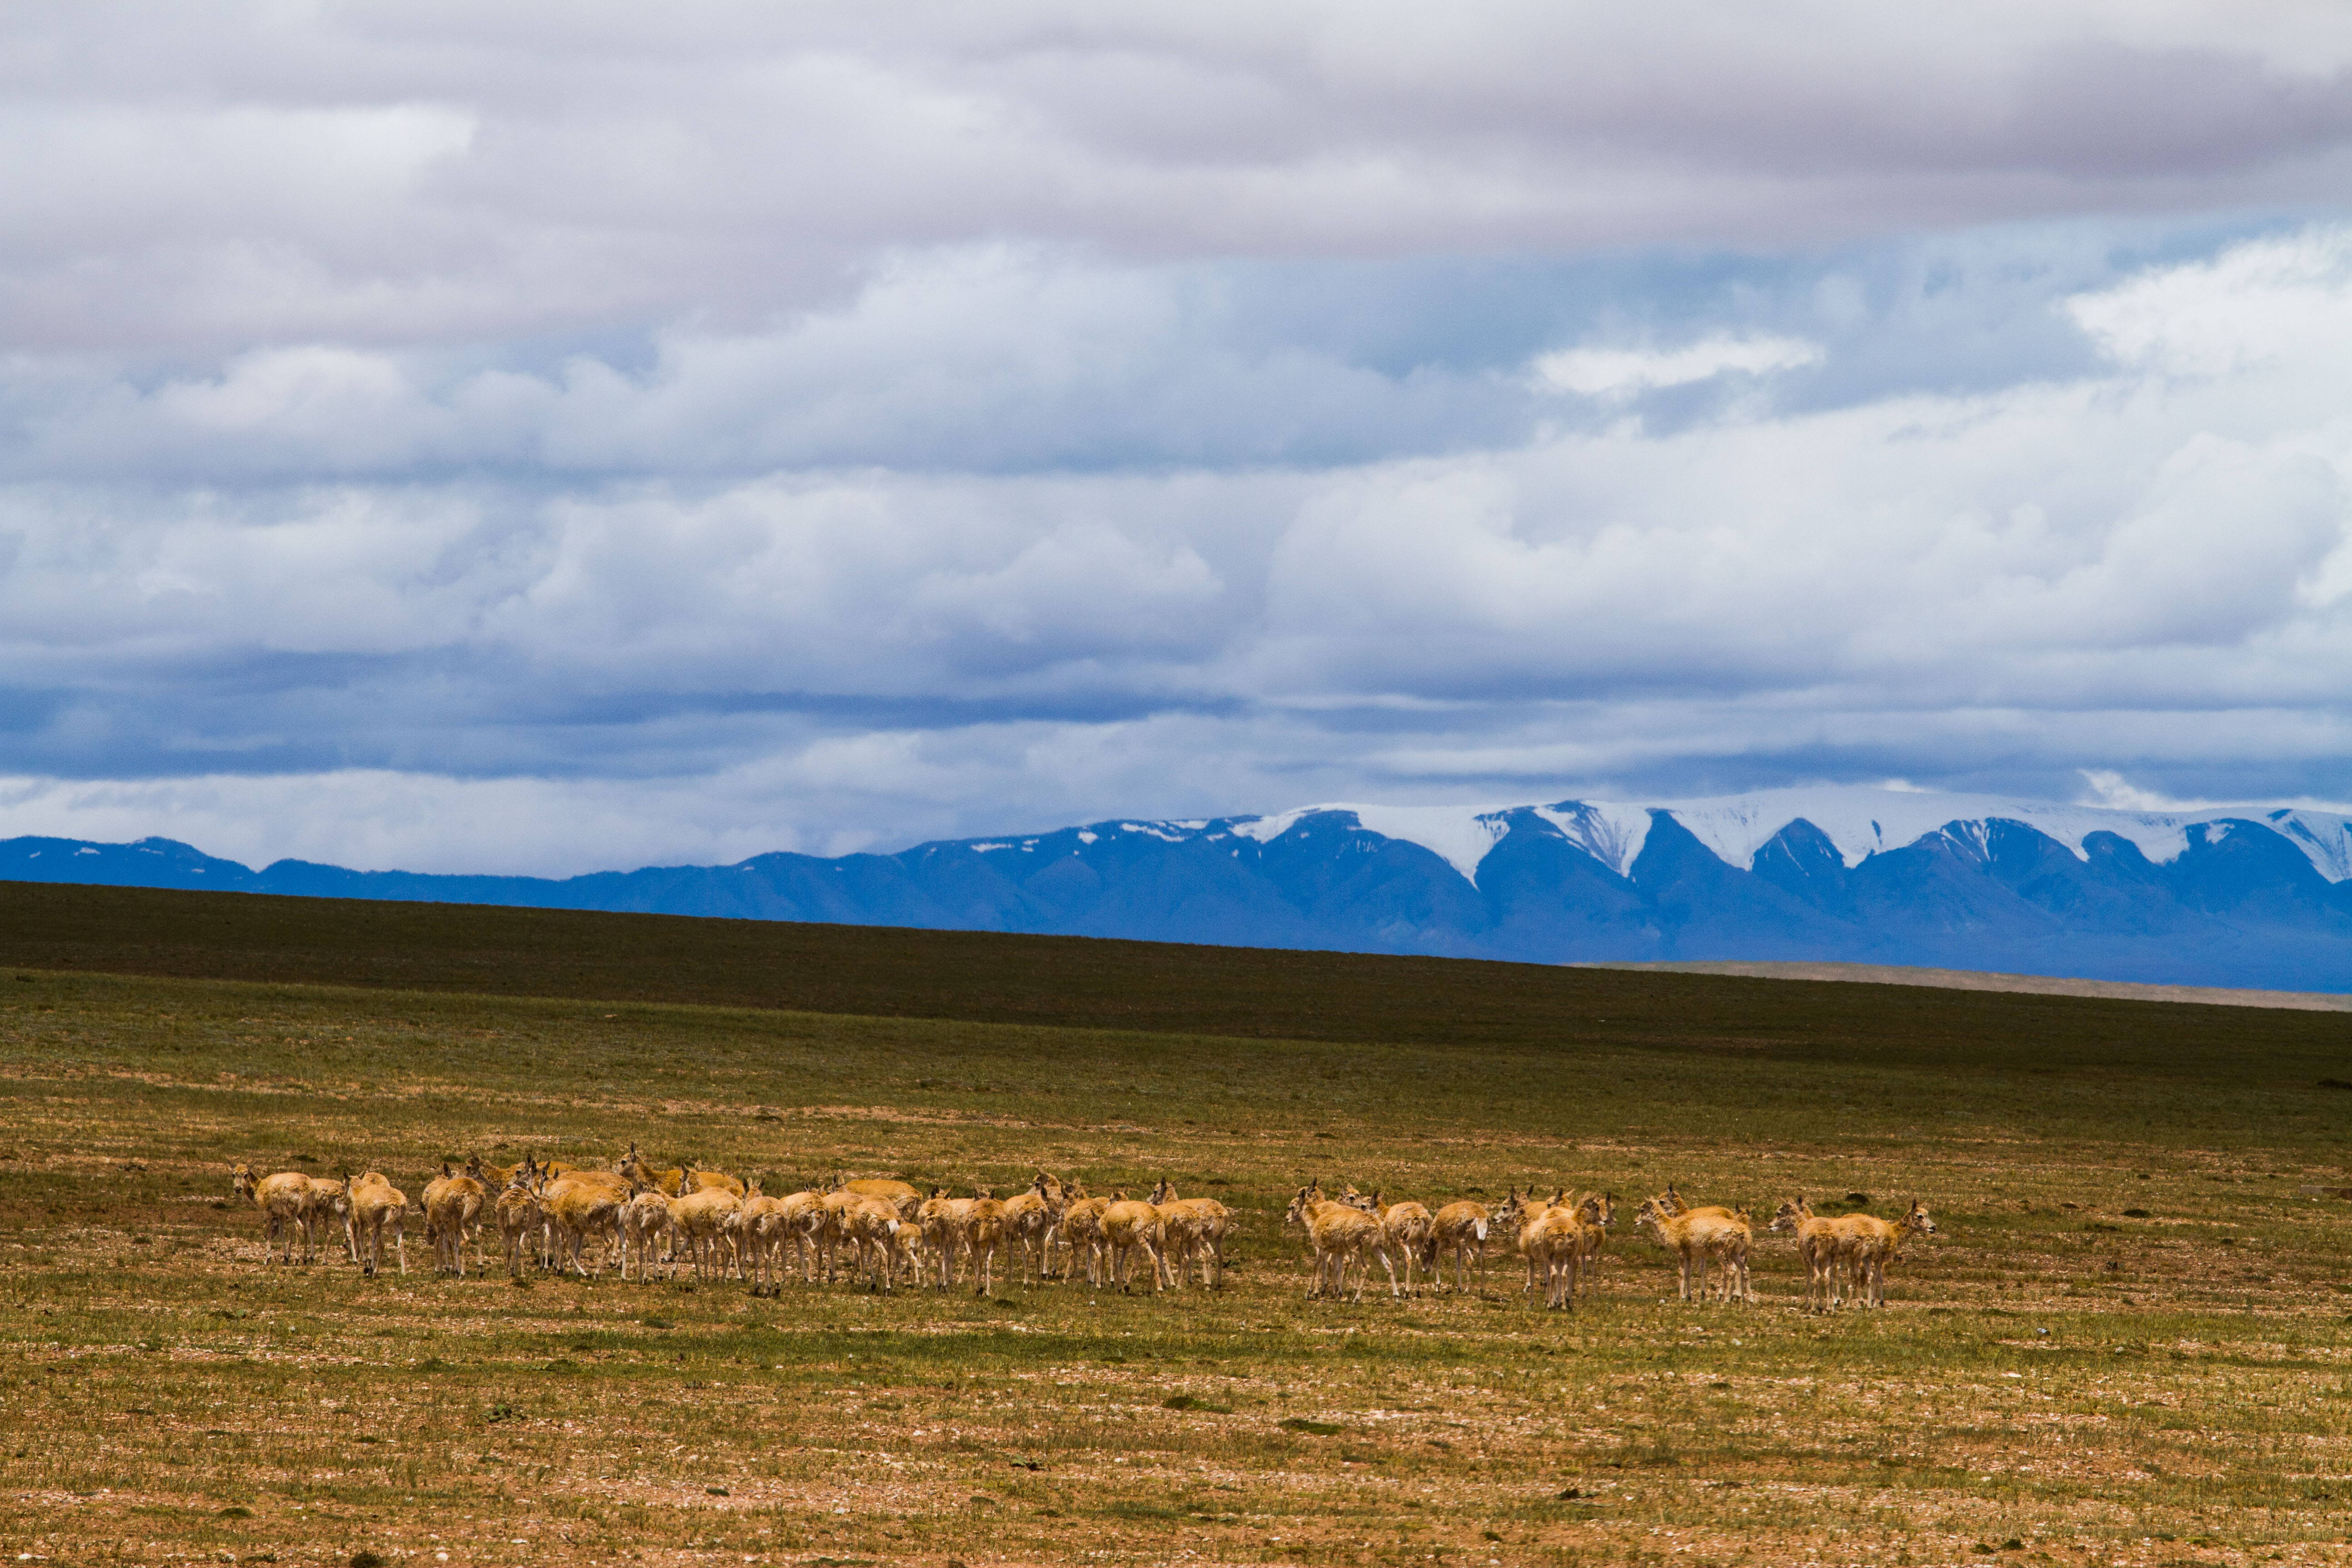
540,440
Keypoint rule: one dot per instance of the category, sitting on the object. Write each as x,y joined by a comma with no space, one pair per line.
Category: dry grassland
2129,1344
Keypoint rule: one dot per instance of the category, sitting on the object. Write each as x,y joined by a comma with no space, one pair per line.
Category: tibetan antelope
679,1180
376,1206
1190,1229
639,1224
286,1204
1460,1229
983,1235
453,1207
1405,1228
700,1218
1081,1225
1338,1232
1869,1244
1523,1213
1029,1219
895,1192
1700,1238
582,1204
794,1224
871,1224
759,1233
521,1217
1129,1226
1553,1242
942,1220
1817,1249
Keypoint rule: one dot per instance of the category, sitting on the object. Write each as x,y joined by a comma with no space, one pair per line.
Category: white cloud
1596,372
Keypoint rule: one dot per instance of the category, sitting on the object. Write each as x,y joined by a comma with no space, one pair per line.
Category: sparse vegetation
2138,1391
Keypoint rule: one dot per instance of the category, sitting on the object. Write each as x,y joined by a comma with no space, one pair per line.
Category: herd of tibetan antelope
882,1232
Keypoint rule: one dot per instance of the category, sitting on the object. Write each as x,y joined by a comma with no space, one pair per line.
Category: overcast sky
547,438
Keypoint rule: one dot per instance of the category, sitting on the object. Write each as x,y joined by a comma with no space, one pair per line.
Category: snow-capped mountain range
2248,896
1860,821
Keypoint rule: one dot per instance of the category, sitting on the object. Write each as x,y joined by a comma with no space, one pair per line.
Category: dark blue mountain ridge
2258,897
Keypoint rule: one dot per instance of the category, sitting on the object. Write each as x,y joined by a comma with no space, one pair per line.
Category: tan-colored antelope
678,1180
1869,1244
832,1231
582,1204
942,1220
1701,1237
642,1225
896,1192
1081,1225
871,1224
1029,1219
701,1219
1520,1213
1407,1229
797,1217
1553,1242
376,1206
1718,1214
1129,1225
1817,1249
454,1207
754,1230
1459,1230
1338,1232
521,1217
329,1211
284,1201
1193,1228
983,1235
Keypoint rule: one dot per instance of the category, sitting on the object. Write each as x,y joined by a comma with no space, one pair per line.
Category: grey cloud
201,176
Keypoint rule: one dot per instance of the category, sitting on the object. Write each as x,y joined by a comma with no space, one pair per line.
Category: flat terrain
1979,979
2129,1344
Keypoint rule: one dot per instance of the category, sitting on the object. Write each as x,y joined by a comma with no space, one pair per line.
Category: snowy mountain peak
1859,820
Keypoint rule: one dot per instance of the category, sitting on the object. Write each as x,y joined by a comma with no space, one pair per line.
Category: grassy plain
2129,1344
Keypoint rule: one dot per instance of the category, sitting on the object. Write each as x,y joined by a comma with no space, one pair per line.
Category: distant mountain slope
2245,897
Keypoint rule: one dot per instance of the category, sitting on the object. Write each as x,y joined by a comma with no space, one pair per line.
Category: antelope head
1789,1214
1917,1219
241,1181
